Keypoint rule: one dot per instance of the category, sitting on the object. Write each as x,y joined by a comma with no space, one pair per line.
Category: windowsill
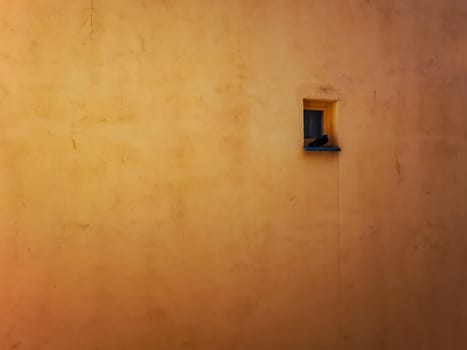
322,149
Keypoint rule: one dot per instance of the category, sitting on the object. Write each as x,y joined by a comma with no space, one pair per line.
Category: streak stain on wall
154,193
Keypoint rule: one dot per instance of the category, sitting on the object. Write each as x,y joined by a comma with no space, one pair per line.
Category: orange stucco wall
154,193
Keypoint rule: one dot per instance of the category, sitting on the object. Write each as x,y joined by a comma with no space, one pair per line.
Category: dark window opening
313,123
319,128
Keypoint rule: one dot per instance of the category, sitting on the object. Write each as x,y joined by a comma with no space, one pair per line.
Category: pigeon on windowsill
319,142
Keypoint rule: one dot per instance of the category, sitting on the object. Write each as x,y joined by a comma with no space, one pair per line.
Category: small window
319,125
313,122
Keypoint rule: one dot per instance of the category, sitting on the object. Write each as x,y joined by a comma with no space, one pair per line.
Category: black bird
319,142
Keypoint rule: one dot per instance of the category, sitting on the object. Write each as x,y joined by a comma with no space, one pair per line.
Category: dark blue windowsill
322,149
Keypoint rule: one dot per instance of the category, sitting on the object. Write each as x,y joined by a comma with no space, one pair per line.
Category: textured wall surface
154,193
